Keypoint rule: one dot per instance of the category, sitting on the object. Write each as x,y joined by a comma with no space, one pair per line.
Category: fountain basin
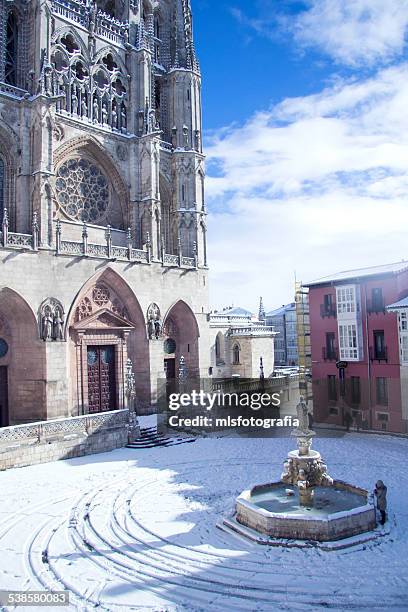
339,511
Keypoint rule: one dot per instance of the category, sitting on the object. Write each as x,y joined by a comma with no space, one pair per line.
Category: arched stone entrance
180,336
106,326
22,363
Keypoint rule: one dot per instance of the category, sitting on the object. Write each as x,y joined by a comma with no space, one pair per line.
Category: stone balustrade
10,90
252,330
113,252
19,241
83,248
62,438
105,26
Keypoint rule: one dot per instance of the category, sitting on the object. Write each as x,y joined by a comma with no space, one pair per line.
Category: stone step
150,438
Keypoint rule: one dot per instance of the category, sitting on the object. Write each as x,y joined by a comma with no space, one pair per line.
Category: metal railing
330,354
378,355
376,306
328,310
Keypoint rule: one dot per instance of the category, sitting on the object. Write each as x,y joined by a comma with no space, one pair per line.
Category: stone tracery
91,89
82,190
97,298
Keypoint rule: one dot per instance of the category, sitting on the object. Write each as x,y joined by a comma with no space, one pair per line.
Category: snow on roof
281,310
392,268
237,312
399,305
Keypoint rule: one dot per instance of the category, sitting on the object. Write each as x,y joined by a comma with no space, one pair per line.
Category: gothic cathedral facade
102,213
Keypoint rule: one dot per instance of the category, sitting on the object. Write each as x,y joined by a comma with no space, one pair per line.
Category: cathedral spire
187,16
261,315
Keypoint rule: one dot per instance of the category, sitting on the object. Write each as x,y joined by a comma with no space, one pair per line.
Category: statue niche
51,319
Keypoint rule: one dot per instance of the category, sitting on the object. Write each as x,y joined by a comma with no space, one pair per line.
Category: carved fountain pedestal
305,469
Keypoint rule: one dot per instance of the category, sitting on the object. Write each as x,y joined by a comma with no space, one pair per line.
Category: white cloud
316,184
354,32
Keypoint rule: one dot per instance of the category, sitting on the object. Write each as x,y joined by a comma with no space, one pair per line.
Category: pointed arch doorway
106,327
101,355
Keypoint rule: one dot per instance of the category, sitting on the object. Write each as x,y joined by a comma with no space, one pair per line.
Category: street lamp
130,391
182,372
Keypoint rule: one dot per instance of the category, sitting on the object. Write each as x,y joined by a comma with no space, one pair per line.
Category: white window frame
403,336
348,341
346,300
404,347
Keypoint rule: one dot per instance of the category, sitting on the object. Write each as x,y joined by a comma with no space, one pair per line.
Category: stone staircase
150,438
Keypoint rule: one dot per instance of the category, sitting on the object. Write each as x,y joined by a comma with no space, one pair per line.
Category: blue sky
265,67
306,140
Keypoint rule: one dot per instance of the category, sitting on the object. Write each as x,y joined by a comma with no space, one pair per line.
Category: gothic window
219,357
157,100
187,238
144,229
109,62
166,227
11,49
157,26
2,188
217,348
108,7
82,190
236,354
69,44
96,93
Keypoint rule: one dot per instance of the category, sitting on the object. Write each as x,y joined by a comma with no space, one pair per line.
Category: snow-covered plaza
136,530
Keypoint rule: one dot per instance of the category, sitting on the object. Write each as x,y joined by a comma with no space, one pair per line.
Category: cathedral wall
37,277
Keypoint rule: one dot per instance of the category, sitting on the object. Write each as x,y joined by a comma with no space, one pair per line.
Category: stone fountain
304,467
306,504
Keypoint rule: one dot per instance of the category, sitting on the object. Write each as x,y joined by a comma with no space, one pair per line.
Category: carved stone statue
104,114
74,102
93,11
84,106
123,119
47,324
58,325
303,417
51,320
114,118
95,111
150,329
154,322
157,327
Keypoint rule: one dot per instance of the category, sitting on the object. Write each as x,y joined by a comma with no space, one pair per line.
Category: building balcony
330,355
376,307
379,355
328,311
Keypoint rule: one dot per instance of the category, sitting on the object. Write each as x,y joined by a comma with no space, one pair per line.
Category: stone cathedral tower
102,213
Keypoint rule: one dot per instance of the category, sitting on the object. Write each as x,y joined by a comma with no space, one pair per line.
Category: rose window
82,190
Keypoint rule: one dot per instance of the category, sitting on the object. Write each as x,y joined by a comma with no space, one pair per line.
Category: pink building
360,348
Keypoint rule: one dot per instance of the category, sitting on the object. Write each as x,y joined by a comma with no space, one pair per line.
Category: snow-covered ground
136,530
